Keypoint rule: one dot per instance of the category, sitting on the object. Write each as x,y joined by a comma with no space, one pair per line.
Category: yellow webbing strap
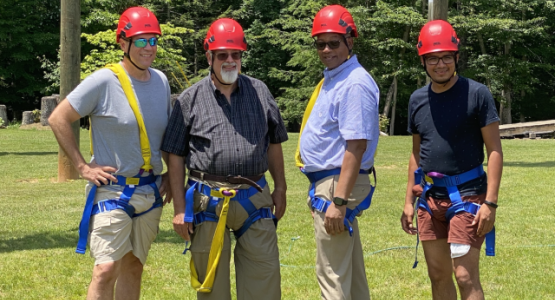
215,248
308,110
130,94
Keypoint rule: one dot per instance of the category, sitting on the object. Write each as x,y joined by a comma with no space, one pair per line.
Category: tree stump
28,118
4,115
173,98
48,104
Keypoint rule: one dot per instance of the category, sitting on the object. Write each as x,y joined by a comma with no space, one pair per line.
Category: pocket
100,221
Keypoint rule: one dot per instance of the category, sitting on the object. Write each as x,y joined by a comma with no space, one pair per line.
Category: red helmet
225,34
437,36
334,18
135,21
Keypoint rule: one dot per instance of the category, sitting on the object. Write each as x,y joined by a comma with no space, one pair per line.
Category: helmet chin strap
129,57
445,82
212,71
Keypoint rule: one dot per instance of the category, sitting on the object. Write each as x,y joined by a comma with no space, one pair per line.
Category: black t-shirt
449,125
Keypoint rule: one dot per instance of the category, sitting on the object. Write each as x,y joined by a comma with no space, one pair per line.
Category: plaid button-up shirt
222,138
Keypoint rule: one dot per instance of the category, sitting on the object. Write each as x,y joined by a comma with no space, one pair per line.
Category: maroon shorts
459,230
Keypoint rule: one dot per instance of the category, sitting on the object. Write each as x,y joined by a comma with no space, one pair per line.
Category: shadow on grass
27,153
42,240
51,240
544,164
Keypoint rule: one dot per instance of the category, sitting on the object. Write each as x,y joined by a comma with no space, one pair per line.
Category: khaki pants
256,253
339,258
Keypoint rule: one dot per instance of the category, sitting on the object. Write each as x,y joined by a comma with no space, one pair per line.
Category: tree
29,29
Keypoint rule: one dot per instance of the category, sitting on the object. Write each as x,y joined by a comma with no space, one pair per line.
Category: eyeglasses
141,43
321,45
434,60
224,55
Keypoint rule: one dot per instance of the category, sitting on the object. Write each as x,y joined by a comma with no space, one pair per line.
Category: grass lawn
39,220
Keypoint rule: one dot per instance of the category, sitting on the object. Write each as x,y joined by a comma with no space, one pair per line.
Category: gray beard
229,77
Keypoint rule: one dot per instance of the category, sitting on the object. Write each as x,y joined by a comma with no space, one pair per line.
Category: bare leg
129,281
103,280
468,275
440,269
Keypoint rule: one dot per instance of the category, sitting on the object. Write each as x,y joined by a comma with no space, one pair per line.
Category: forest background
507,45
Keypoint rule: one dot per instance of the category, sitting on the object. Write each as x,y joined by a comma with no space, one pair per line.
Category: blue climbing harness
130,184
243,197
427,181
322,205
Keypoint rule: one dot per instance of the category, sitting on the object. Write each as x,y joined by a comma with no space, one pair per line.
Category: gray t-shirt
115,132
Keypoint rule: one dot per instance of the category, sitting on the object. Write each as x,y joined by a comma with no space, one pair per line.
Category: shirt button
237,149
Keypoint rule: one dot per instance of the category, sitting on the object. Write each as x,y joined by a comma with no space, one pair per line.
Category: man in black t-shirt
451,120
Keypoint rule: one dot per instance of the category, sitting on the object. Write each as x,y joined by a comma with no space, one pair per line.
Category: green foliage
29,29
505,44
36,115
384,123
1,122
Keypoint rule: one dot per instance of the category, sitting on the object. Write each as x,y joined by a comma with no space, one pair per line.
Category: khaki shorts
459,230
113,234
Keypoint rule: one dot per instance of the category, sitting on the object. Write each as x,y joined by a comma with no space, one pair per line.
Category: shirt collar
347,64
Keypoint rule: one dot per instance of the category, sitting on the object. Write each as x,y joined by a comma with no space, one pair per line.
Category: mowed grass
39,220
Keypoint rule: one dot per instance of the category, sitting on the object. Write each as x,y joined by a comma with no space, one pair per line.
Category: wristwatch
490,204
339,201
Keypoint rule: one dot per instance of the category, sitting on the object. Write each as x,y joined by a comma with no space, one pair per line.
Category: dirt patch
35,126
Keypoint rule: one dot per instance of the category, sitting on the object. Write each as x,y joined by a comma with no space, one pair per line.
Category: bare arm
60,121
350,168
176,171
165,189
486,215
408,211
277,170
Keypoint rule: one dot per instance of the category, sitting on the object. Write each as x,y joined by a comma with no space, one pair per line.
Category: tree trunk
438,10
27,118
70,73
483,48
4,115
505,108
47,106
388,99
392,93
392,122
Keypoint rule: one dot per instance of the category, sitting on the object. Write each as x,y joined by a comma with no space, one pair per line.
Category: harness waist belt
319,175
457,204
129,184
241,195
322,205
250,180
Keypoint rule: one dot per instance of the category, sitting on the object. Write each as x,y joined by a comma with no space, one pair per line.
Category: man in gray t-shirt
125,189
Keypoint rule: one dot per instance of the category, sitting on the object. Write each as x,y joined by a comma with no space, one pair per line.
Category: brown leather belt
250,180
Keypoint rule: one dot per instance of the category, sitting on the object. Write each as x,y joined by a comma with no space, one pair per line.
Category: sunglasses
141,43
224,55
320,45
